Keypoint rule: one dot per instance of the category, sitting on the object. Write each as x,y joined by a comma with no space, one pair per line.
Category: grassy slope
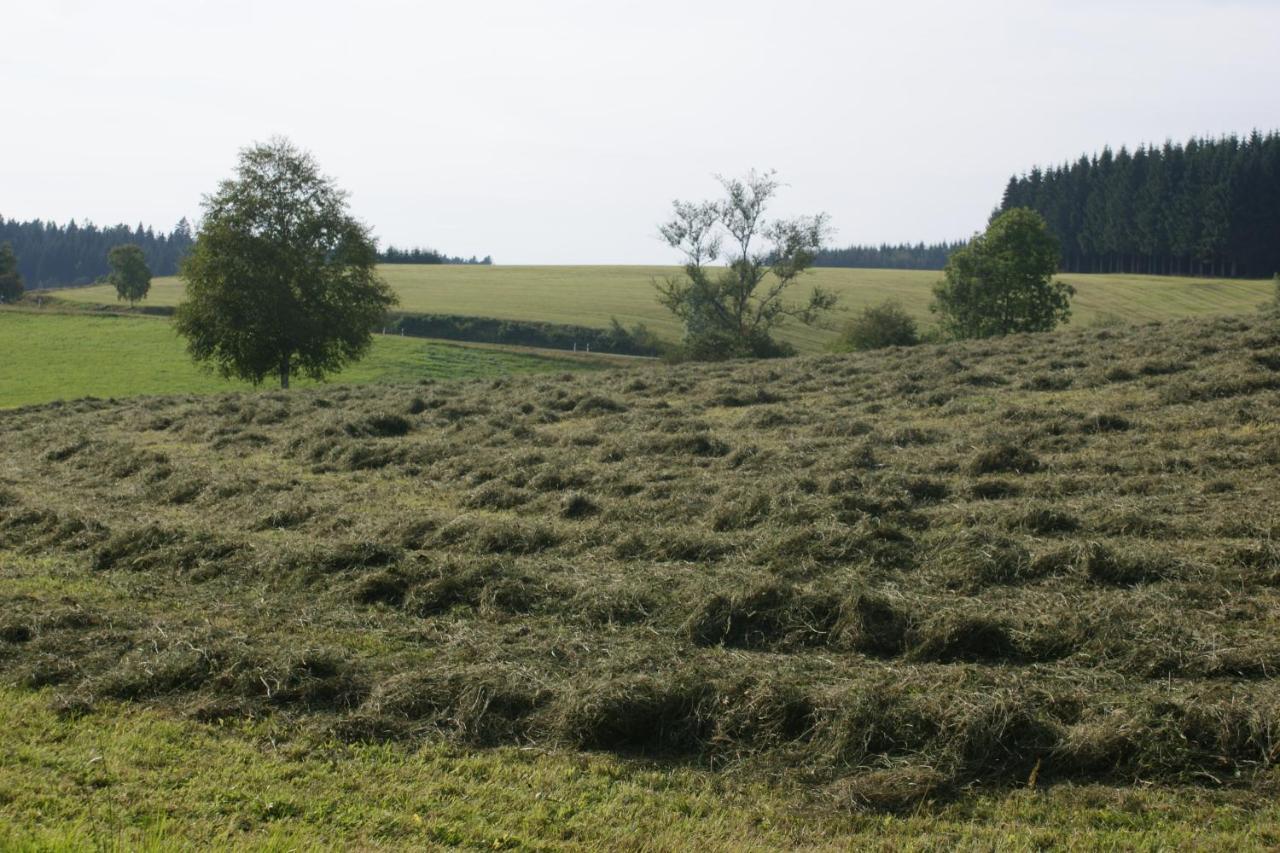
912,579
589,296
133,778
47,356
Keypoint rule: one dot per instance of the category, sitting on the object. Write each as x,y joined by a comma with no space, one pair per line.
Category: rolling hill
590,296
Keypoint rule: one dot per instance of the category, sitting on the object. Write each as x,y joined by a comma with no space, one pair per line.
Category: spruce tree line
392,255
906,256
1210,207
52,255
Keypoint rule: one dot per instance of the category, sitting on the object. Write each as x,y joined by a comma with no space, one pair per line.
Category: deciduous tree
282,278
1002,282
129,272
732,312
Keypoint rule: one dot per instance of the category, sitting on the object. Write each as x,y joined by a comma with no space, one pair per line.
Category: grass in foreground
47,356
130,777
890,581
590,295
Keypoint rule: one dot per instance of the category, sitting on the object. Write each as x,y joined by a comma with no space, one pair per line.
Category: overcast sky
560,131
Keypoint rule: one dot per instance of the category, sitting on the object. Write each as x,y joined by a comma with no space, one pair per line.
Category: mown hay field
884,584
590,296
47,356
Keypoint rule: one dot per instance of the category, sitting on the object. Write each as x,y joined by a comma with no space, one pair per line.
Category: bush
1002,282
880,326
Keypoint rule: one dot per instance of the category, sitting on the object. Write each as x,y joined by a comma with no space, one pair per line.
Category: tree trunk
284,373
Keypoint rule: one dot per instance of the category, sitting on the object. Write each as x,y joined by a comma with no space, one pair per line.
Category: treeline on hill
52,255
920,256
1209,207
427,256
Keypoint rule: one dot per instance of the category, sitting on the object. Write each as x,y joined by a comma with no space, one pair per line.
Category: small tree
129,272
732,312
10,282
1002,282
281,278
880,326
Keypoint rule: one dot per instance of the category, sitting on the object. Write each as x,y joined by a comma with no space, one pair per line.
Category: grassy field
589,296
48,356
130,777
1019,592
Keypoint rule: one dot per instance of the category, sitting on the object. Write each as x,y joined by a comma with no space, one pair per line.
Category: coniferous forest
52,255
392,255
1210,207
906,256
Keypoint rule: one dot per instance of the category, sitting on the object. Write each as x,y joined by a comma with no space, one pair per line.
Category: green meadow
47,356
131,778
591,295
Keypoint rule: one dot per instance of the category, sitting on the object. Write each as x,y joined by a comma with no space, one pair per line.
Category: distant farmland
591,295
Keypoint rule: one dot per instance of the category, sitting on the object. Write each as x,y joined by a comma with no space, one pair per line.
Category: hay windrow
896,576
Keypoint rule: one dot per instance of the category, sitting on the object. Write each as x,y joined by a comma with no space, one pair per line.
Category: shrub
880,326
1002,281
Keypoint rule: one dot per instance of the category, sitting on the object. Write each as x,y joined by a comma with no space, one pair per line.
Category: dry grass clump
661,714
479,705
1127,566
895,575
770,616
951,637
1004,459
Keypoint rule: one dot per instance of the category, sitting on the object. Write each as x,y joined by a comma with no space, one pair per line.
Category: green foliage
732,313
281,278
129,272
1002,282
878,326
10,280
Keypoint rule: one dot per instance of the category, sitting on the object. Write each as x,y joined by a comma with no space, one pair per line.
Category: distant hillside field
46,357
589,296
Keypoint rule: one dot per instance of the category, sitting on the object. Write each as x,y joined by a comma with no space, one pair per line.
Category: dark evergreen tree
1209,207
426,256
51,255
905,256
10,279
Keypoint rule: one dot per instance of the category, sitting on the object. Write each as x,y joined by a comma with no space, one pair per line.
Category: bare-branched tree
731,311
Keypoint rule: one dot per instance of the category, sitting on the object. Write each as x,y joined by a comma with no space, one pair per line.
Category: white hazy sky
560,131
